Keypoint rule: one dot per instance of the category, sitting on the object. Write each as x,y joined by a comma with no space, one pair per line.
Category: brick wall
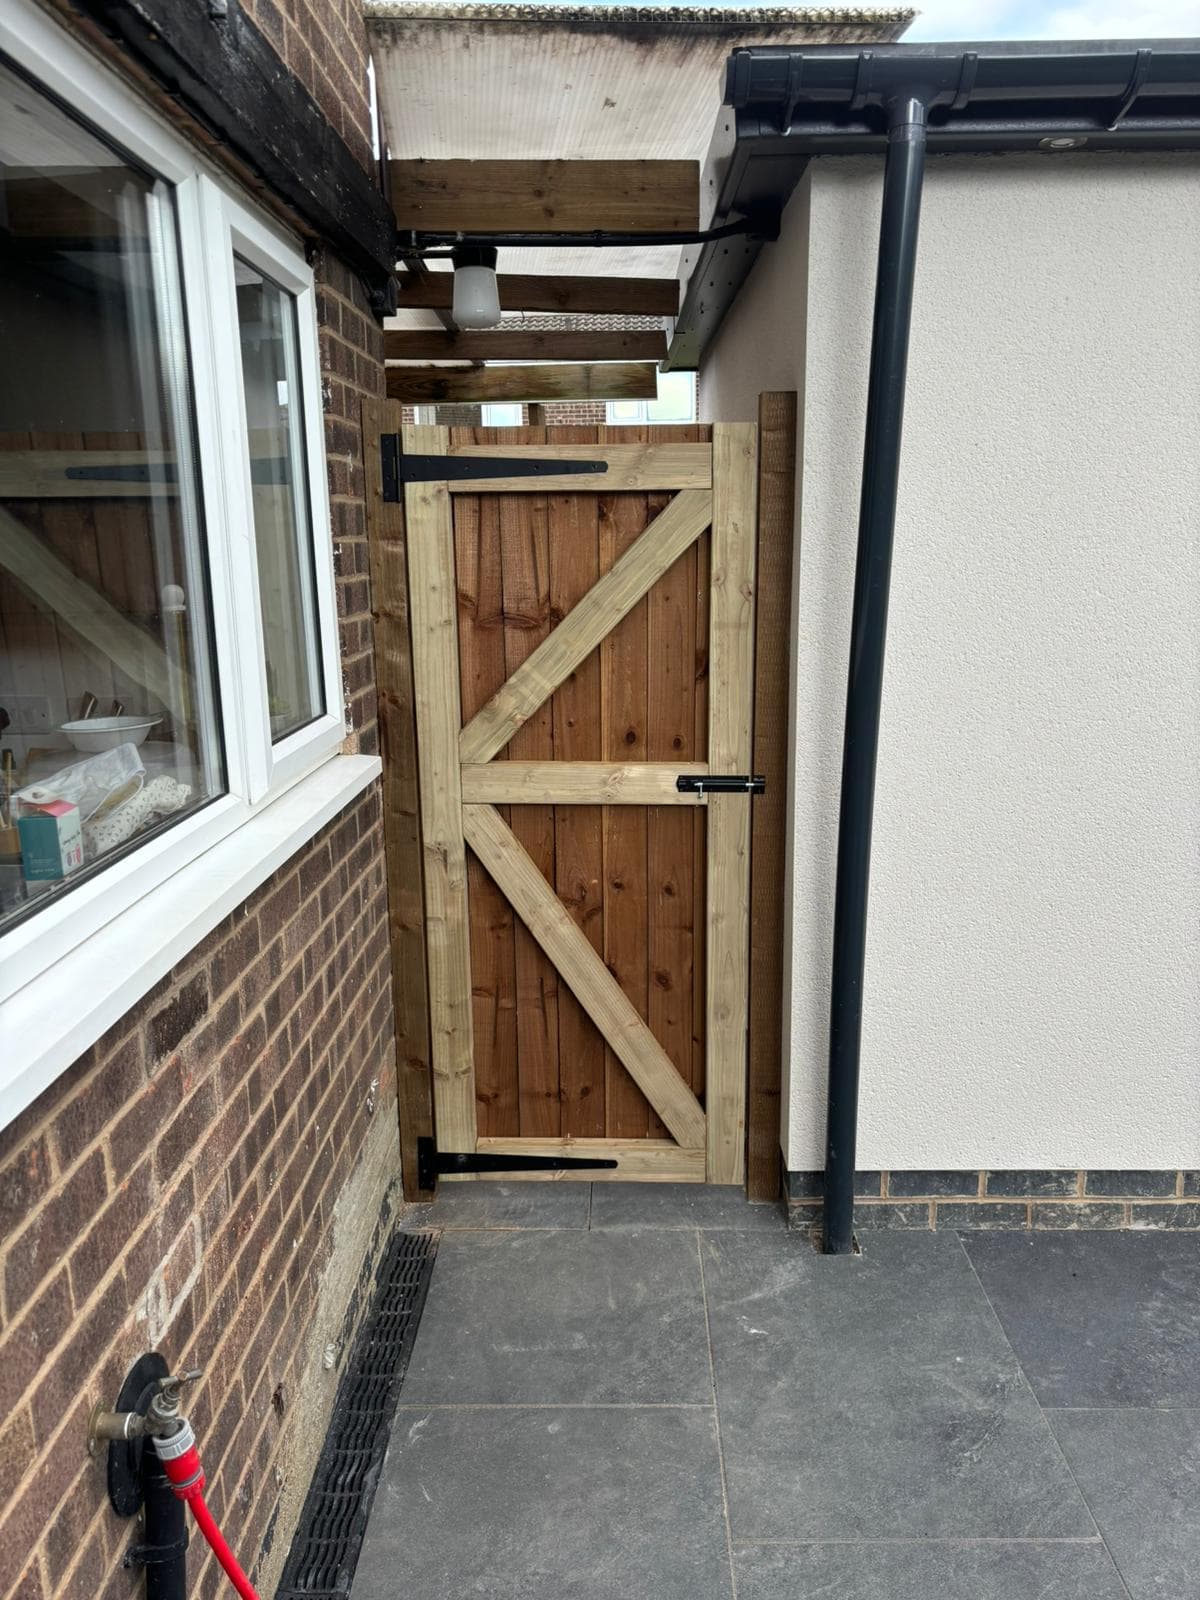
351,369
213,1179
178,1188
555,414
324,43
575,413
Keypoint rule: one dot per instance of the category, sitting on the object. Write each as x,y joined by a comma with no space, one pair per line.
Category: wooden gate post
730,711
401,804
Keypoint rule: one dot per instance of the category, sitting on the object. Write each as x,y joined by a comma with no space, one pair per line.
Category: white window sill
55,1017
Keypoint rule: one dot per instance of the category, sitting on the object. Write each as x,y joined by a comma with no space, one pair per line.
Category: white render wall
1033,971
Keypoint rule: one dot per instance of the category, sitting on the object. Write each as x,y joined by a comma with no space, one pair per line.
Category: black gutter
225,73
787,106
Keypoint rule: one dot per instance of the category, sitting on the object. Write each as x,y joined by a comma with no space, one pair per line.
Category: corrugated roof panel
576,84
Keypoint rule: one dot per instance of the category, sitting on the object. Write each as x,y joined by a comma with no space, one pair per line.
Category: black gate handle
721,783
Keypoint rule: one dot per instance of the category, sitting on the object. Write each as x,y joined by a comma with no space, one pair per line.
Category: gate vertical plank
671,735
579,865
525,558
624,667
439,717
401,801
731,687
700,825
768,827
492,932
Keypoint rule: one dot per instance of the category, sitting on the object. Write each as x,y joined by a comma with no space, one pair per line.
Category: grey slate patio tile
517,1504
681,1205
875,1397
927,1570
560,1318
505,1205
1140,1472
1098,1319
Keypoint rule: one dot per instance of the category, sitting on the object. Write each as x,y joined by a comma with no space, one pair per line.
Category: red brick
184,1011
23,1182
107,1238
45,1240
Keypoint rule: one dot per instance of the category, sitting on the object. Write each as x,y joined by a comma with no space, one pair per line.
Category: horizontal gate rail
581,783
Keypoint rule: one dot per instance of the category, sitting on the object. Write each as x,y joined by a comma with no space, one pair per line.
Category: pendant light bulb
476,301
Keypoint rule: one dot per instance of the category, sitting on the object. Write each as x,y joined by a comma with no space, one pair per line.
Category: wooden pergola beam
631,297
525,344
613,380
546,196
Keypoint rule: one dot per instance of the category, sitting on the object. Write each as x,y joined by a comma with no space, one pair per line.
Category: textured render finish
1032,995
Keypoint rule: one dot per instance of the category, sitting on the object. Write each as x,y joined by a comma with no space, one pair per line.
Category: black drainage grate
324,1553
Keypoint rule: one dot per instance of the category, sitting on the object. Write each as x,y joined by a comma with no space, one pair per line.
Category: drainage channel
328,1539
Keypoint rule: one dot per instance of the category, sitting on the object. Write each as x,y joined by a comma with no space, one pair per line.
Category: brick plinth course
974,1198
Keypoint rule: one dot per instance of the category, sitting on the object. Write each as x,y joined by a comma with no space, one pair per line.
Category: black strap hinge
399,467
433,1163
721,783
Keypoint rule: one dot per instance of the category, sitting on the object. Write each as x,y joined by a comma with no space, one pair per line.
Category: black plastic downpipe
903,174
165,1533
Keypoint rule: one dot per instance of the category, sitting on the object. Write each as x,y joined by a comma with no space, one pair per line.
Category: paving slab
578,1504
559,1318
875,1397
1099,1319
1140,1473
681,1205
930,1570
504,1205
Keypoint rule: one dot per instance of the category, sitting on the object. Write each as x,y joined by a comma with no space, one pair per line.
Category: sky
1022,19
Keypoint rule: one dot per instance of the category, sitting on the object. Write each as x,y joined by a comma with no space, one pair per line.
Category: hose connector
181,1460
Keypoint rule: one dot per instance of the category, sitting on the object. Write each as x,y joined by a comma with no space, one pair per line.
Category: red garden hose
181,1463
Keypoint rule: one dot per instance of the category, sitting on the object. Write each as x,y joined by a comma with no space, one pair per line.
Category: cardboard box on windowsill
51,834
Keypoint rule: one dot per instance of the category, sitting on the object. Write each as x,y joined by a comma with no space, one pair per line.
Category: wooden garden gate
582,619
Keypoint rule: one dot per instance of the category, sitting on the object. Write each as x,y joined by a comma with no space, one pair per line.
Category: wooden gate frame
716,486
406,852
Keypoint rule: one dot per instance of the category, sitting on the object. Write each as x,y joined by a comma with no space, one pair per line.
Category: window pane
108,727
279,486
676,400
503,416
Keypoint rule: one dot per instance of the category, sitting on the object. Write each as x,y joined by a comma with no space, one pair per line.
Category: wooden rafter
578,964
526,344
546,196
612,380
631,297
586,624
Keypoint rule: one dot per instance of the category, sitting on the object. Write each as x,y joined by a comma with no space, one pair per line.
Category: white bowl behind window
106,733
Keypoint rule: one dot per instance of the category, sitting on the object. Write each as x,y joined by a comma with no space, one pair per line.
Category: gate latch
721,783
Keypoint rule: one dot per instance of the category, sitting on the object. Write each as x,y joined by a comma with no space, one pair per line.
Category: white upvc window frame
46,965
232,229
